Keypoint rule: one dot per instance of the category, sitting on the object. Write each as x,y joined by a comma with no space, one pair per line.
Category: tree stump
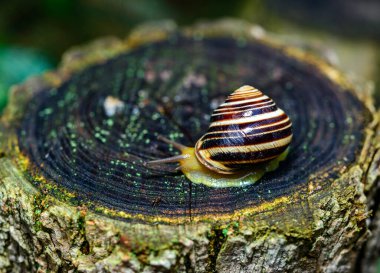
76,196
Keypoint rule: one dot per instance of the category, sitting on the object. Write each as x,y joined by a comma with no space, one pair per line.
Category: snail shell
248,128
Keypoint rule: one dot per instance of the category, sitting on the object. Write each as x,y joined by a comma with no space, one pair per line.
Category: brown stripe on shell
249,157
241,114
243,108
243,98
245,140
247,104
248,131
233,162
242,126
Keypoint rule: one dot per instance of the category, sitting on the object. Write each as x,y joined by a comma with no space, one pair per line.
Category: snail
247,137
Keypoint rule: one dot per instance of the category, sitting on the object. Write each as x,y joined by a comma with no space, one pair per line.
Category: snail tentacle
186,152
171,159
175,144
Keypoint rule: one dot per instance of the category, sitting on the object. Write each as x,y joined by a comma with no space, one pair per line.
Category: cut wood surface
77,196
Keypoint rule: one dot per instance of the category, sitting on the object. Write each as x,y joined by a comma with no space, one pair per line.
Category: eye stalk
187,158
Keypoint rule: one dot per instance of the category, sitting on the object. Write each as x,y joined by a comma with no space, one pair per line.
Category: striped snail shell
248,128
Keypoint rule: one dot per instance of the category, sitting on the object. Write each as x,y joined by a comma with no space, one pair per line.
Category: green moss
39,204
225,232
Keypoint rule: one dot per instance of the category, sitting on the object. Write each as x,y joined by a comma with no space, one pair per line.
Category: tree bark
76,196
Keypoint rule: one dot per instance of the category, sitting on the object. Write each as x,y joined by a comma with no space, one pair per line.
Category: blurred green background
34,34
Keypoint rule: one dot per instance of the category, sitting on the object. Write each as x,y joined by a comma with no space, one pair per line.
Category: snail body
247,137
